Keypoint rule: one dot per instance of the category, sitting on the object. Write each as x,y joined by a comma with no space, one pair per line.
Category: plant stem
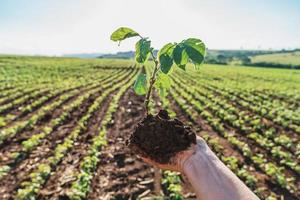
152,81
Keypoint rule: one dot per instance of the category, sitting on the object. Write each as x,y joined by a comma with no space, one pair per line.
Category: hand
176,163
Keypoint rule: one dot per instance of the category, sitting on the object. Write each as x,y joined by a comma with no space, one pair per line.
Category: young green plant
188,50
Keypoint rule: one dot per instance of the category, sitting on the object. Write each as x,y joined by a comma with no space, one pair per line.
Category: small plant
159,137
189,50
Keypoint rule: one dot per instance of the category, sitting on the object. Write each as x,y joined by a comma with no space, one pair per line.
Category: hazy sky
84,26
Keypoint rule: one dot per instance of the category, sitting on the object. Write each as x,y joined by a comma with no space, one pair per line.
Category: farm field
64,124
289,58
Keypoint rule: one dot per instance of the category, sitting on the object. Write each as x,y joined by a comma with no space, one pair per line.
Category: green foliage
172,181
195,49
2,122
162,84
3,170
191,49
165,56
140,85
82,185
244,99
180,56
142,50
30,188
197,94
123,33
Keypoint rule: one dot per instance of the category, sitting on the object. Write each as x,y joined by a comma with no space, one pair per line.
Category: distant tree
221,58
245,60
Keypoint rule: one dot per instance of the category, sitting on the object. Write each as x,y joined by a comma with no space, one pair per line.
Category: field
290,58
64,123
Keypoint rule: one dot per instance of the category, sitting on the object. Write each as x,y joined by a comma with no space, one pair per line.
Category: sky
56,27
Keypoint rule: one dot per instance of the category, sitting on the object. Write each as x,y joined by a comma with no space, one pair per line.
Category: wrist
200,159
200,169
211,179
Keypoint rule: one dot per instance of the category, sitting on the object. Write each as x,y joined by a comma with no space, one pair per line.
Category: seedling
159,137
189,50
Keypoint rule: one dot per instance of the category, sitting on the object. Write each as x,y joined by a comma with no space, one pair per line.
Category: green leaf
140,85
162,84
142,50
195,50
165,57
180,56
123,33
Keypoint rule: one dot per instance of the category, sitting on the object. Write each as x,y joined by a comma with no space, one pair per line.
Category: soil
160,138
121,175
20,171
62,177
264,180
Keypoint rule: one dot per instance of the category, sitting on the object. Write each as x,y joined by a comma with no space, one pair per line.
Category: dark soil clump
160,138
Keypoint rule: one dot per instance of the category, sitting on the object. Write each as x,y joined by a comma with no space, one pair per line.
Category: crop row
281,115
274,172
237,167
281,137
32,121
18,93
88,166
242,170
25,94
233,98
250,127
29,108
29,189
277,111
31,143
293,100
280,91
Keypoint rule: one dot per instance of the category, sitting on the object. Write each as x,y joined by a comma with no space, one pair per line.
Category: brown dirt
255,146
121,175
26,116
21,170
258,173
160,138
9,99
13,144
57,133
16,109
61,179
292,102
267,122
228,150
28,132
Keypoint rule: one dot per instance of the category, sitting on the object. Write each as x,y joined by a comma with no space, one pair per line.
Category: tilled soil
21,171
15,110
28,132
61,179
229,150
121,175
14,143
